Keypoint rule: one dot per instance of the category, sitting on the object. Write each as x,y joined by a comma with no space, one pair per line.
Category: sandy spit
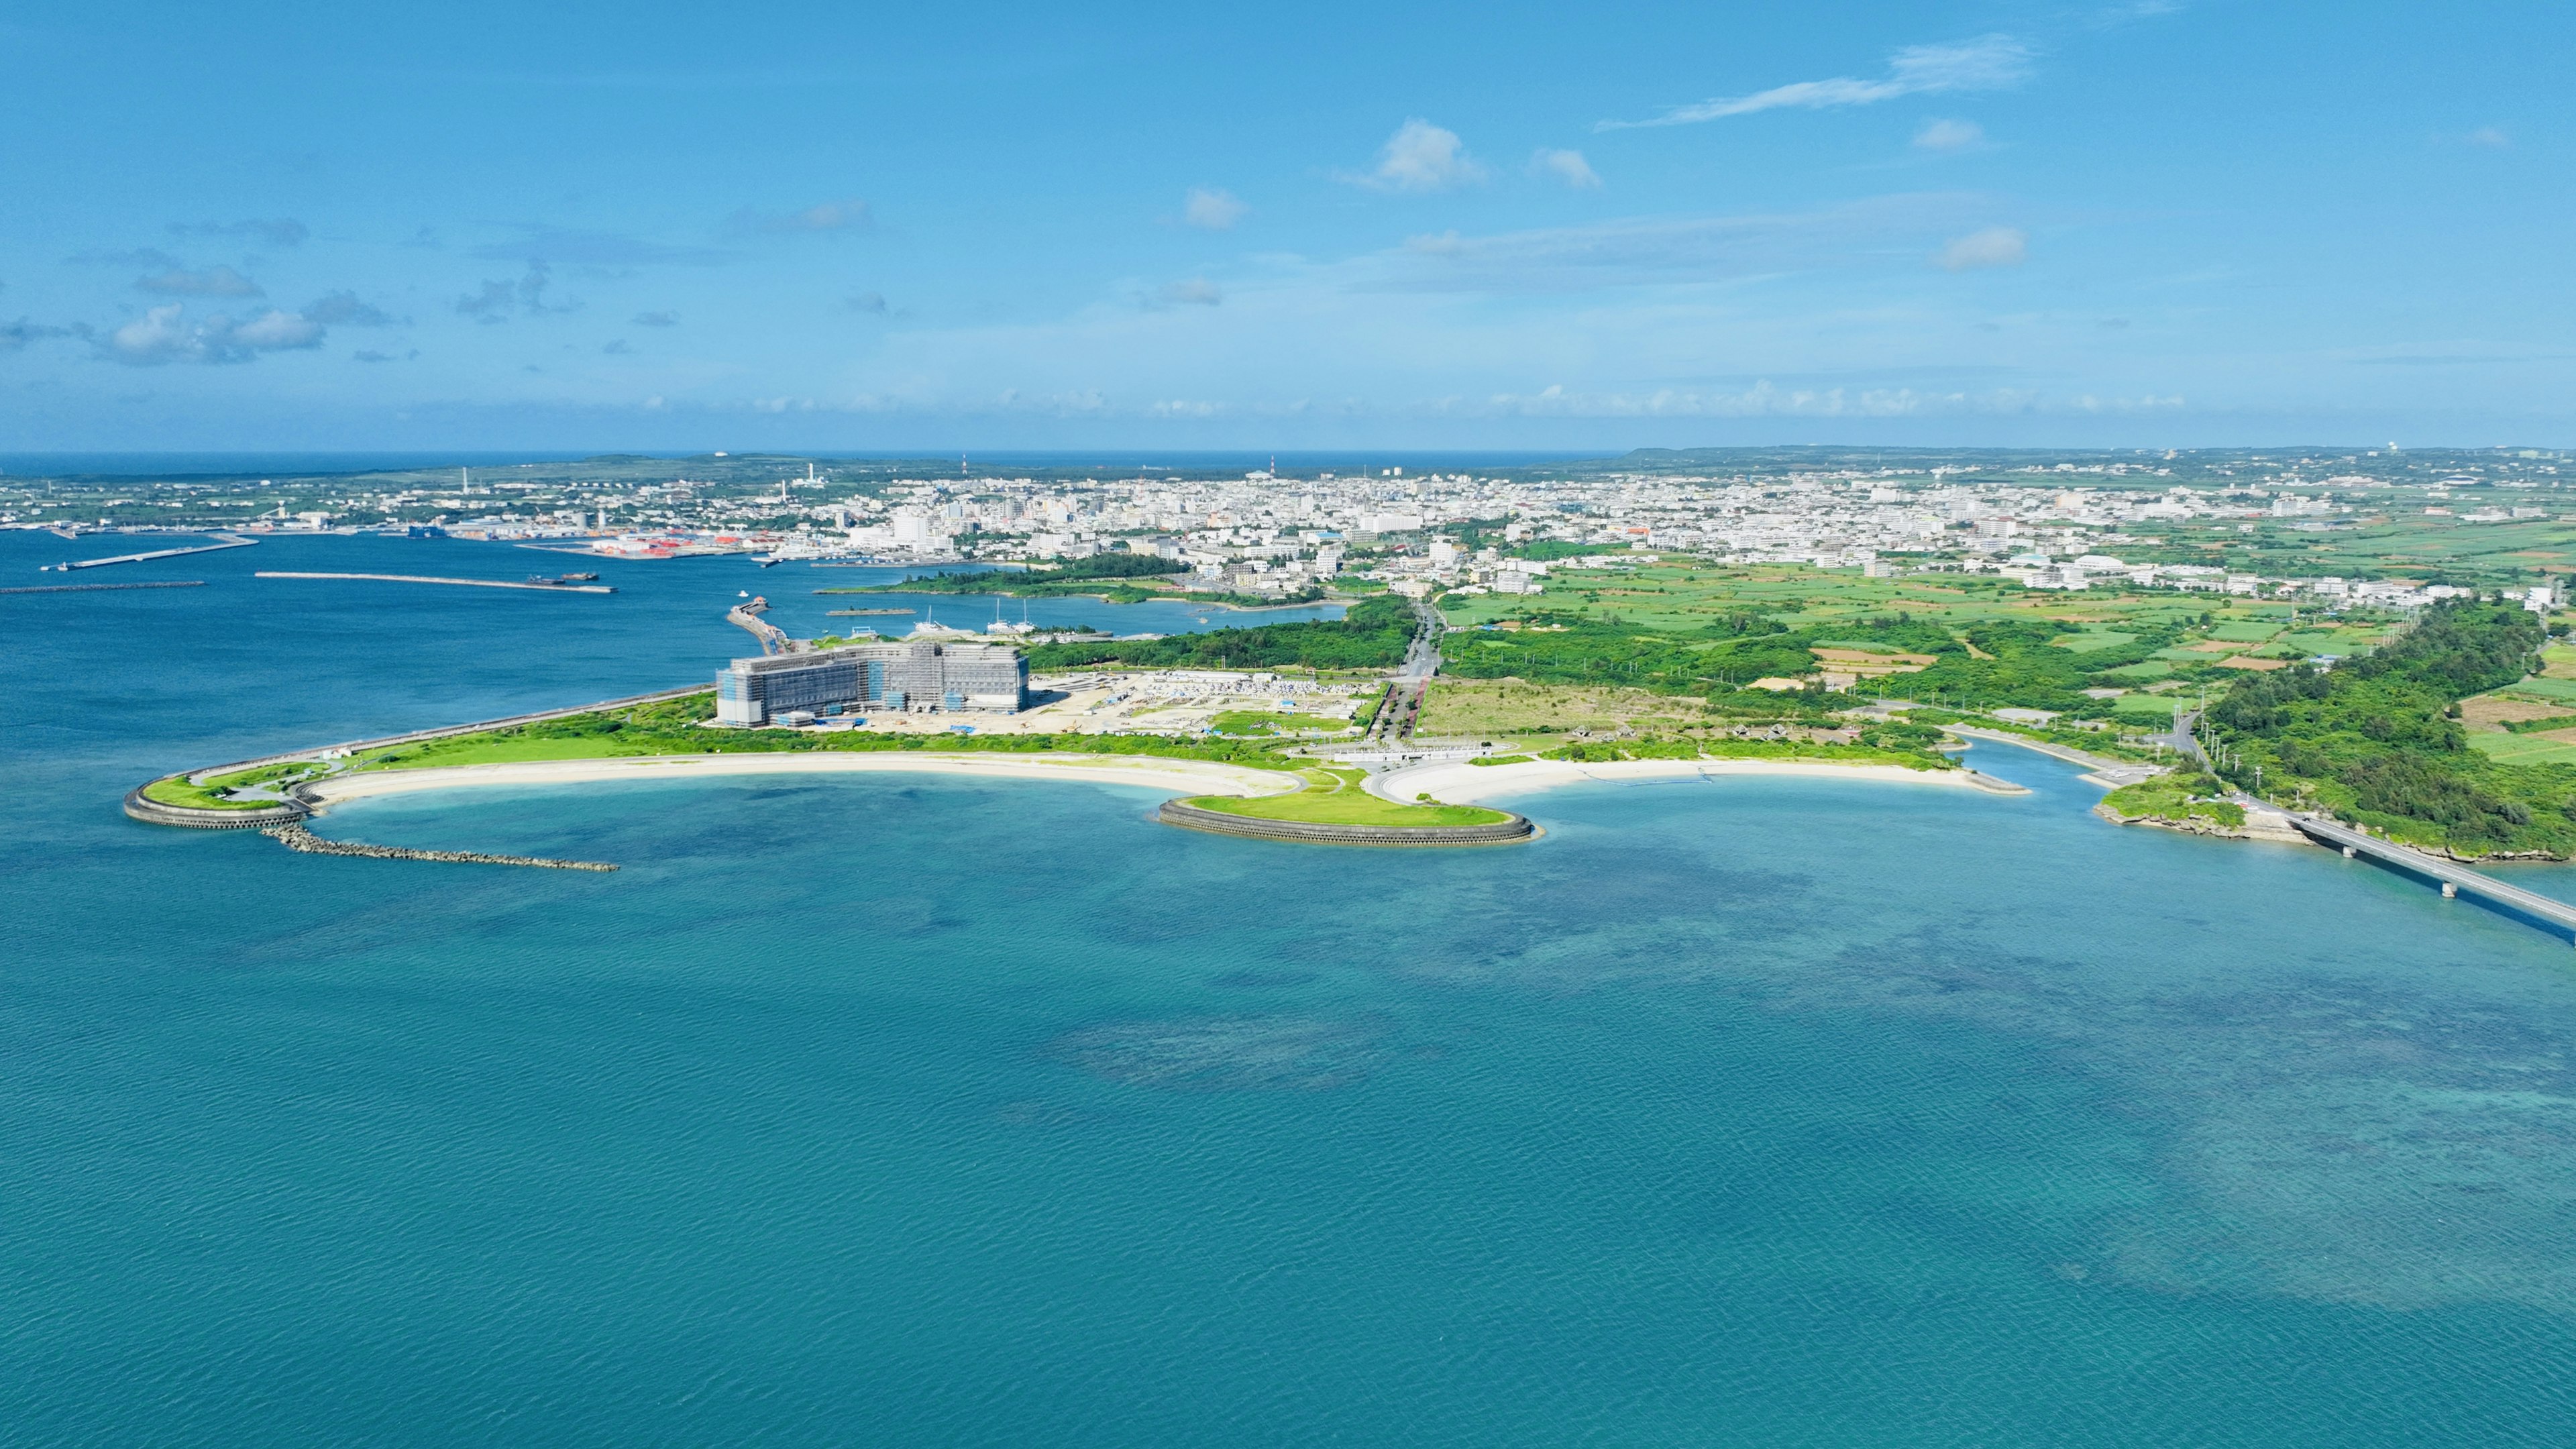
1463,784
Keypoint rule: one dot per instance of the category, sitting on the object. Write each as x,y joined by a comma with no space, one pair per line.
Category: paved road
1422,657
2182,741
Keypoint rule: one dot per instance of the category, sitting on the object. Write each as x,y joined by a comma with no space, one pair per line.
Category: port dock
540,586
127,558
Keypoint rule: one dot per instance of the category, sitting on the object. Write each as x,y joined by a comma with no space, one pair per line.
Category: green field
1262,722
1334,797
177,791
2523,749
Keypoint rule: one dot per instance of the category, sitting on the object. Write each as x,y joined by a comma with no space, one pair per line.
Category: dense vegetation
1069,576
2376,741
2181,799
2024,668
1372,635
1988,663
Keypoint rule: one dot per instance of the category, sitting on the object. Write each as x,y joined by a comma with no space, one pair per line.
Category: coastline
1196,777
1469,784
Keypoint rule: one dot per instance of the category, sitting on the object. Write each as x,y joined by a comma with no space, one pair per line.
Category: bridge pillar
2450,891
2349,852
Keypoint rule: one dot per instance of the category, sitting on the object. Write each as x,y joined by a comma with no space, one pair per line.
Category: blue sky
869,227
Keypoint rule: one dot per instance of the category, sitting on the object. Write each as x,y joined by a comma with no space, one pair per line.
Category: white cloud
1635,251
849,215
1992,62
210,282
1566,166
2493,137
1420,157
273,330
657,319
15,335
164,334
1766,399
1215,209
284,231
345,309
494,301
1948,135
1995,246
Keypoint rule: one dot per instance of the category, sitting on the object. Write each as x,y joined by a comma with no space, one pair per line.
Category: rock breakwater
295,837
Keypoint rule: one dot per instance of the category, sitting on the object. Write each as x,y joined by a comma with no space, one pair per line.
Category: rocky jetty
295,837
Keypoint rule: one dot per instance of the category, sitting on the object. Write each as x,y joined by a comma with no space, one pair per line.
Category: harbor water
891,1110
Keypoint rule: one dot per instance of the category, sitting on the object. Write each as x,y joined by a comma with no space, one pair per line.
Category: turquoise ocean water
889,1110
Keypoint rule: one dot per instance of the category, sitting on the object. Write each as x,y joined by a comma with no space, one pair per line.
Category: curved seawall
1191,817
153,812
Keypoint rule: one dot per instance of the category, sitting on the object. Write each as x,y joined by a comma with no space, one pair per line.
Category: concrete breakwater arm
550,588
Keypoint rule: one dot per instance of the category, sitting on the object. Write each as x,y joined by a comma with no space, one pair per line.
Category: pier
2453,878
543,588
127,558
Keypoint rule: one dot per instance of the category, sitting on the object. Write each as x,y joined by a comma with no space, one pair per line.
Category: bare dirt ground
2487,713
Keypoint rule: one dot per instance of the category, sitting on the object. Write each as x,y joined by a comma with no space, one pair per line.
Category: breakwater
158,553
102,588
1191,817
294,836
543,586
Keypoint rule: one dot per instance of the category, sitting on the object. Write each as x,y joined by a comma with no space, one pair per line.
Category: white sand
1464,784
1189,777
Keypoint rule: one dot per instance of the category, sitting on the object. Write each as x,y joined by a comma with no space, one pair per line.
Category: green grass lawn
482,749
2556,691
177,791
1334,797
2322,641
2246,633
2523,749
2092,639
2152,669
1262,722
2145,708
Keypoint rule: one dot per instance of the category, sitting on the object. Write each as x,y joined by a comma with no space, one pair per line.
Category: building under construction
910,675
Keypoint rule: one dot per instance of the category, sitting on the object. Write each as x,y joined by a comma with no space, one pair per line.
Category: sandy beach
1465,784
1190,777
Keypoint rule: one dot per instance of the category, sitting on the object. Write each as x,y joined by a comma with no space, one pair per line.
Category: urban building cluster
2070,523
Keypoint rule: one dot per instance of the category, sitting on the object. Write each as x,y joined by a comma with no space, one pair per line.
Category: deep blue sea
886,1111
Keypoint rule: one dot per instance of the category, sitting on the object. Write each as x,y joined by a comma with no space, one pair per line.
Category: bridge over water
2455,879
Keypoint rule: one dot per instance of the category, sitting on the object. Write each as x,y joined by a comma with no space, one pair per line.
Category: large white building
910,675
